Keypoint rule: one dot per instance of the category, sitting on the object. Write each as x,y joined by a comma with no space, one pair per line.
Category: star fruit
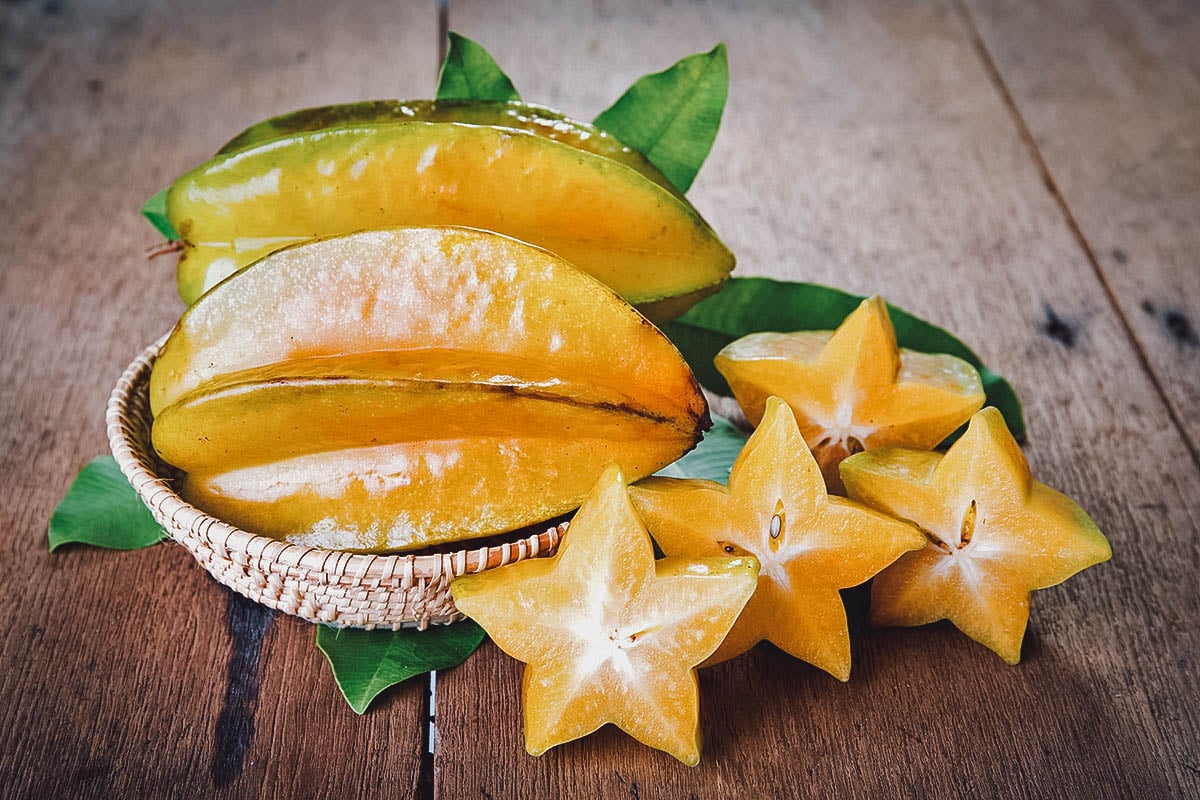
393,389
609,635
545,122
604,216
853,389
993,534
808,544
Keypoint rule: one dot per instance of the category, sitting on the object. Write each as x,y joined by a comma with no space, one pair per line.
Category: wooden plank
866,146
135,674
1110,93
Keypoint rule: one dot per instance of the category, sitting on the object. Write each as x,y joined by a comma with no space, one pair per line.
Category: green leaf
751,305
103,510
470,73
155,210
713,457
367,662
672,116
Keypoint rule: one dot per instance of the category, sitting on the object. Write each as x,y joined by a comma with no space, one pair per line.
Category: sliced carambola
535,119
993,534
853,389
808,544
600,214
608,634
394,388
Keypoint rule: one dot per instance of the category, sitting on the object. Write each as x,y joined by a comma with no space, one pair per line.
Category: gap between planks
443,30
425,782
1035,153
425,777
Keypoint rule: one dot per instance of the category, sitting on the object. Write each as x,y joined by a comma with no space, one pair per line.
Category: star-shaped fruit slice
993,534
853,389
608,634
808,544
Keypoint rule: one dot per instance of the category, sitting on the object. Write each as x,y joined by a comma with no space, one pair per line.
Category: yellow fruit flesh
853,389
397,388
608,634
809,545
601,215
993,534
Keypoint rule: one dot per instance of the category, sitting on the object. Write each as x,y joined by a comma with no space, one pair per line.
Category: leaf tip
155,212
52,541
469,72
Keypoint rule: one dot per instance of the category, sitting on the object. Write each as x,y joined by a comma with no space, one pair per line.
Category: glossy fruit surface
853,389
808,544
603,216
395,388
608,634
993,534
545,122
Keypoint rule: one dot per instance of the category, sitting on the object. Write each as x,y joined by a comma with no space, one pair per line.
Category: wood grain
868,146
134,674
1110,93
864,146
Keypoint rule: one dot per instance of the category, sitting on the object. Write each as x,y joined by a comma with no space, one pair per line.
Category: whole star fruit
607,634
853,389
392,389
808,544
602,215
993,534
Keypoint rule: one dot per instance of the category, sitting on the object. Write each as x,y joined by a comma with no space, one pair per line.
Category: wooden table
1027,175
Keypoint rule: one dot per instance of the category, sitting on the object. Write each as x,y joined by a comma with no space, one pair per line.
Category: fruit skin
820,544
603,216
853,389
605,631
392,389
993,534
514,114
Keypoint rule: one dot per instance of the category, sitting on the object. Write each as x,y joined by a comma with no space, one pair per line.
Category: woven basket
330,586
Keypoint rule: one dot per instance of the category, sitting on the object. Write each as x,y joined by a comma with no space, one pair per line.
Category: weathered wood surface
134,674
881,149
869,147
1110,94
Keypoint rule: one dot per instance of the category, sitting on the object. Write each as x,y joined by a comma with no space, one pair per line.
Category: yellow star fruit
993,534
607,634
397,388
853,389
809,544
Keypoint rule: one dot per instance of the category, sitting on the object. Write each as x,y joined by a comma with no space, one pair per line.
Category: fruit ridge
603,216
516,114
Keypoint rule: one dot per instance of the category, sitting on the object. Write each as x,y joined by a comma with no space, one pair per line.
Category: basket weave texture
329,586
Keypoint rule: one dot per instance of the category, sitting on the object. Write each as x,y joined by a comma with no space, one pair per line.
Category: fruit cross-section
853,389
608,634
993,534
809,544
